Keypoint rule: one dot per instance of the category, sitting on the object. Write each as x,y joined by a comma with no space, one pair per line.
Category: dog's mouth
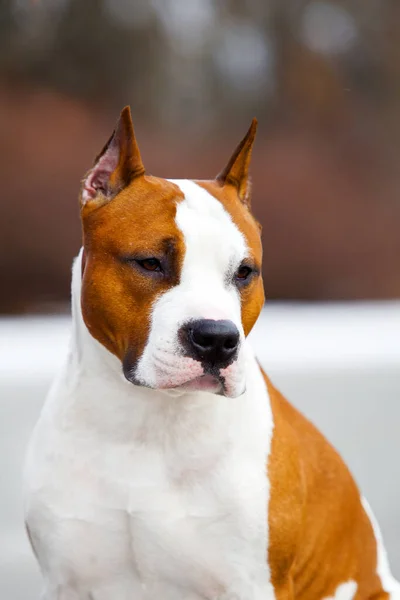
204,383
177,374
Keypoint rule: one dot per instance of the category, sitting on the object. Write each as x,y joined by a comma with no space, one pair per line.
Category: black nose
212,342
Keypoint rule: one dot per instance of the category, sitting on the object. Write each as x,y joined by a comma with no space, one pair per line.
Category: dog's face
171,276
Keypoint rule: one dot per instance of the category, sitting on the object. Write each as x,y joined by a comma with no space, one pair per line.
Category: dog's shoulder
299,443
314,496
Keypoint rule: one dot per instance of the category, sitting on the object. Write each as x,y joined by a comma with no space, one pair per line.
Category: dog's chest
185,516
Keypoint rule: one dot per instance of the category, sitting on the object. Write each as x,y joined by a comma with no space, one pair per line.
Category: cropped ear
236,172
117,164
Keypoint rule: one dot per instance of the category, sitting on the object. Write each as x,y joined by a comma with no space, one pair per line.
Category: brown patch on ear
236,172
115,167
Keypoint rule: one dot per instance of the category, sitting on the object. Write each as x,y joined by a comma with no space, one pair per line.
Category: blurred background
323,78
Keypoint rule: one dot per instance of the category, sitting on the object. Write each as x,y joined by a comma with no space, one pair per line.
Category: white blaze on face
214,249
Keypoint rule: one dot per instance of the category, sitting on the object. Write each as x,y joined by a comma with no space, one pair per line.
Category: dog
165,465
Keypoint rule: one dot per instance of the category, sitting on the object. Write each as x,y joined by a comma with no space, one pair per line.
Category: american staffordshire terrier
165,465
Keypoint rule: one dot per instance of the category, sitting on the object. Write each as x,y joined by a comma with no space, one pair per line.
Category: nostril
231,342
206,341
201,339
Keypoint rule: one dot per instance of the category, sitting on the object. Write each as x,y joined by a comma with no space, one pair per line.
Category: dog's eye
243,273
150,264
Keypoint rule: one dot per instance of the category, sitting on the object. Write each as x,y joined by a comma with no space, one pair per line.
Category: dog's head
171,271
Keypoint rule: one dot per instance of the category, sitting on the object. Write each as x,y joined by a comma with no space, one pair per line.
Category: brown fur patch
117,297
320,536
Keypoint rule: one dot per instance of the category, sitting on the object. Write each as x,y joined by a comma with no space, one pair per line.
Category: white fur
137,494
214,250
389,583
345,591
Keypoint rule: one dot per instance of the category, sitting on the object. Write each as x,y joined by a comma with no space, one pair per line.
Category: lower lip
205,383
